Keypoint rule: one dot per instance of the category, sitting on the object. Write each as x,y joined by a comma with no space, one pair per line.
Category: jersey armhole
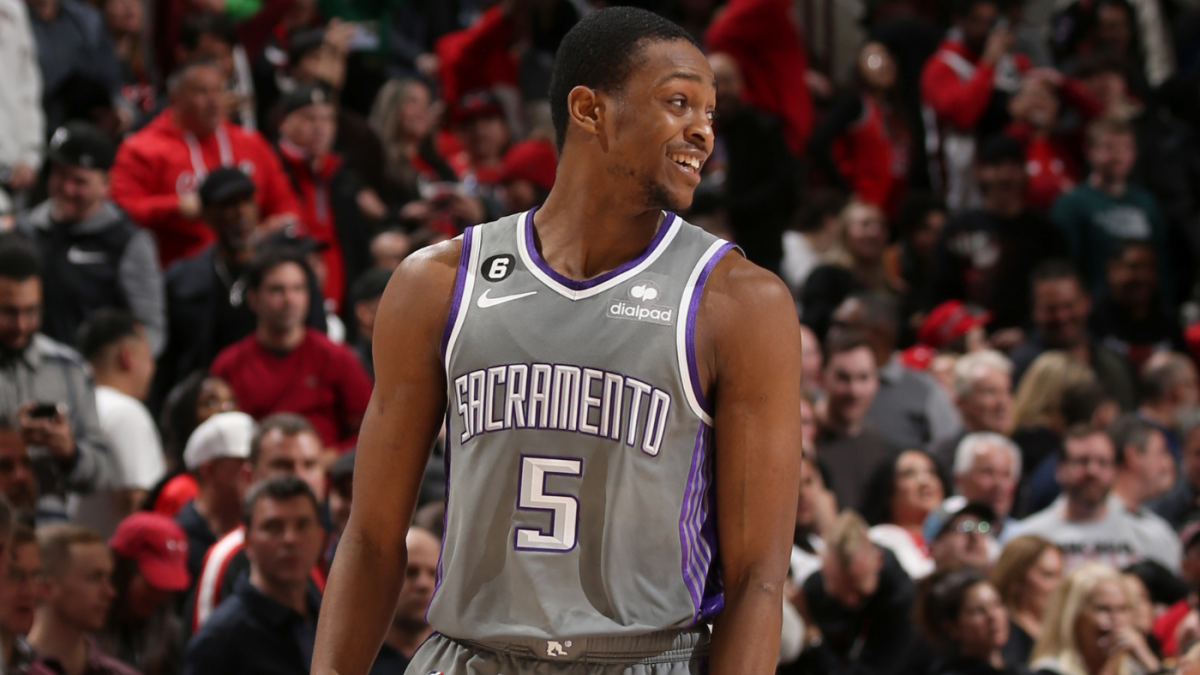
686,328
464,284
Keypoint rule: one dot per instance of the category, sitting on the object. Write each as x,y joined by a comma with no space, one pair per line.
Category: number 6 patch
498,267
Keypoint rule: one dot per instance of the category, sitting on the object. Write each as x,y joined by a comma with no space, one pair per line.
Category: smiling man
617,480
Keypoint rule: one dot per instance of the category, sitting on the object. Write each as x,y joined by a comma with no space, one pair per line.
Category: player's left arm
748,344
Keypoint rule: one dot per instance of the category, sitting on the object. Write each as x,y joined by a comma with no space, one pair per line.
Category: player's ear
585,110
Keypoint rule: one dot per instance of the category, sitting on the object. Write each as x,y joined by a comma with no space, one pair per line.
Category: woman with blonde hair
1088,629
1027,573
405,116
853,263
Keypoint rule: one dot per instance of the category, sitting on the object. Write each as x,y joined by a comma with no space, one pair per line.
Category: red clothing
155,166
761,37
1165,625
958,86
316,212
477,57
178,491
872,162
320,380
1050,167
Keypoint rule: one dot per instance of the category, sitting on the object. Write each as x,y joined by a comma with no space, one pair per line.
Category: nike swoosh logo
80,257
485,302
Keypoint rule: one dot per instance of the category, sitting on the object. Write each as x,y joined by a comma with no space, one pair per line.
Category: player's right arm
400,425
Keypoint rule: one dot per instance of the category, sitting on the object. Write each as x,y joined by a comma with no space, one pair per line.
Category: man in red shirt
285,366
158,170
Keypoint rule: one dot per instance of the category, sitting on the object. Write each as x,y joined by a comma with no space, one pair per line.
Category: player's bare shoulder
418,298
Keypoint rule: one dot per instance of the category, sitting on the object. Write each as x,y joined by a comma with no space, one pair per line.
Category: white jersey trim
476,245
681,337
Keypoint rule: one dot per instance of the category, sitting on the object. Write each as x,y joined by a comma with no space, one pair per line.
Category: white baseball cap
225,434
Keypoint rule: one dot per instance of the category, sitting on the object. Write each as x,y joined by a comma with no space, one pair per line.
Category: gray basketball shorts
664,653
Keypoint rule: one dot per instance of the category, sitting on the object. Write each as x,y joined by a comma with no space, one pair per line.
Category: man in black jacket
92,255
206,292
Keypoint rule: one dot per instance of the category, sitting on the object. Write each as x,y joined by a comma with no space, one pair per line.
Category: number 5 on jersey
564,509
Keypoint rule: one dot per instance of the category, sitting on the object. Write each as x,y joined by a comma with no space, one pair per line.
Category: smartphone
44,410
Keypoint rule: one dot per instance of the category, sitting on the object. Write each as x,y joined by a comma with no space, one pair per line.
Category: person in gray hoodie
92,254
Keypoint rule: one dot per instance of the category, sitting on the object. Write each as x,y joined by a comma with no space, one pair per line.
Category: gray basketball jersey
579,443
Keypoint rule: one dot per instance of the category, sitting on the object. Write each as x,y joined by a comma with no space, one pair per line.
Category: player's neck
581,233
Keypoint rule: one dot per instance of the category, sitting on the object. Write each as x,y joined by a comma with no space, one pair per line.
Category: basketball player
620,390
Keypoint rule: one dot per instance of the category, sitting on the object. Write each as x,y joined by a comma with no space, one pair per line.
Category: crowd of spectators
989,219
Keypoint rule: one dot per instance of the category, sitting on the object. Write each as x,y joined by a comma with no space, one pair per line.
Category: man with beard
16,475
1088,523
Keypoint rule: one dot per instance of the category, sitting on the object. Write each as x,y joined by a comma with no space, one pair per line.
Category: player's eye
678,102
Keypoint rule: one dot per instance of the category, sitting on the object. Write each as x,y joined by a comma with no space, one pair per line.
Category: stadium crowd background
988,212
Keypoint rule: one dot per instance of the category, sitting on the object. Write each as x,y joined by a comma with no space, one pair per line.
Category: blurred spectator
364,303
987,468
484,134
1060,310
409,628
1176,626
263,369
389,248
811,363
862,143
125,21
817,227
22,121
159,169
328,188
206,293
341,497
526,175
985,257
1182,503
1089,614
961,612
149,570
75,54
116,347
982,394
1129,316
208,35
1139,36
196,399
216,454
64,437
75,590
919,224
763,37
91,254
910,410
1027,573
1038,408
966,84
1087,522
16,475
852,263
1169,387
815,512
283,445
961,534
858,605
849,448
901,494
1107,208
808,423
270,622
18,600
404,118
751,166
1145,468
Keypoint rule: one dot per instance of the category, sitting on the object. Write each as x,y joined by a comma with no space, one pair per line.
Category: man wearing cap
328,190
75,592
206,293
215,455
962,533
92,255
159,169
985,256
144,630
1088,522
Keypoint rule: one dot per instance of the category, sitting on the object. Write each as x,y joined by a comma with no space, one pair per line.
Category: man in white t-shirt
1088,522
115,345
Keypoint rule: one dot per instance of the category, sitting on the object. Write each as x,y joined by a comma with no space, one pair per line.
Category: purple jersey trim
464,264
686,516
690,336
445,518
577,285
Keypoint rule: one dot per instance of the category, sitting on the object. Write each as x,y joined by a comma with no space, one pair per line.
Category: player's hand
998,44
189,205
52,433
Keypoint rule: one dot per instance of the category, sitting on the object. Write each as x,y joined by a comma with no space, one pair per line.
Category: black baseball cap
288,238
938,522
82,144
303,96
225,185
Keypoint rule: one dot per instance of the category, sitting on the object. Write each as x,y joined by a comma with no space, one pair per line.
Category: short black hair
1001,149
369,285
1080,402
18,258
1119,247
1054,269
914,210
268,260
820,206
600,52
196,26
104,327
279,488
1129,429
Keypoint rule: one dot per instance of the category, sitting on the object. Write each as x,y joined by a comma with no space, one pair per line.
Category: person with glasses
962,534
1087,521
